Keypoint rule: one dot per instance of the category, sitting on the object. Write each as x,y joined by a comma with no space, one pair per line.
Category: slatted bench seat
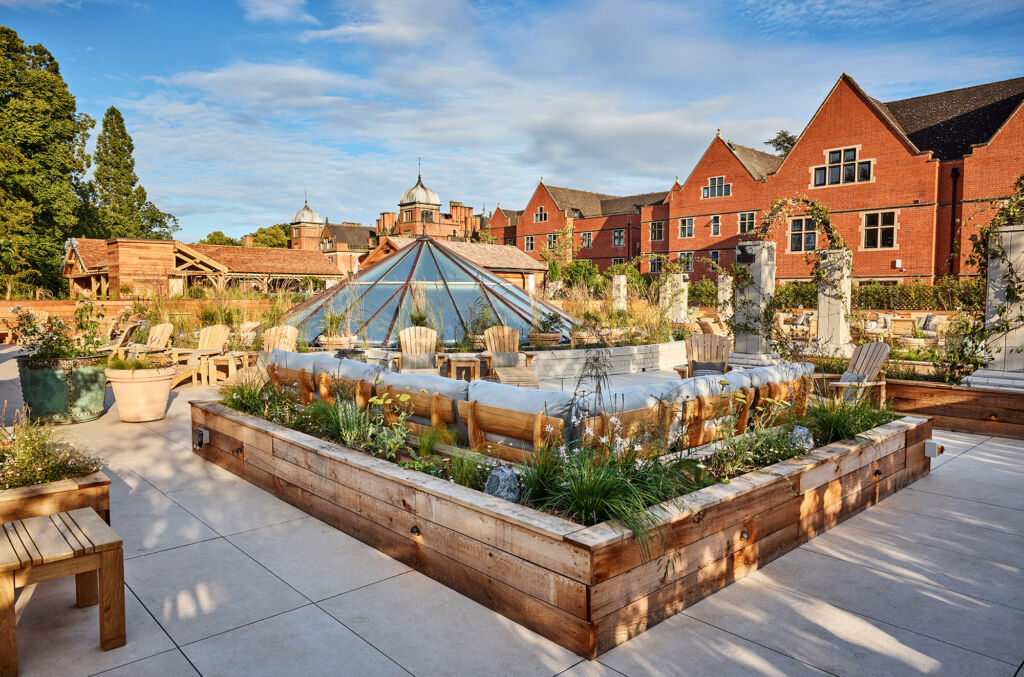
76,542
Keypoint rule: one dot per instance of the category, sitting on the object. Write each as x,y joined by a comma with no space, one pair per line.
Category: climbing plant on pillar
778,213
972,333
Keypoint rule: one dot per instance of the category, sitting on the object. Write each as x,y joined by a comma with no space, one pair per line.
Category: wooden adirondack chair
157,342
419,351
121,343
282,337
192,362
502,358
862,374
704,348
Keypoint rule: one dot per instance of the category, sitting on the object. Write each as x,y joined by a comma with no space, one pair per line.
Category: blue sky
236,108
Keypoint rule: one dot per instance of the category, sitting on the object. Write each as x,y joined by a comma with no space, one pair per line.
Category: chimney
247,241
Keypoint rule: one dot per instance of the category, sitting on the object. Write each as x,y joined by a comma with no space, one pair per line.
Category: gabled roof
490,256
91,252
757,162
350,233
629,204
949,123
600,204
512,215
268,260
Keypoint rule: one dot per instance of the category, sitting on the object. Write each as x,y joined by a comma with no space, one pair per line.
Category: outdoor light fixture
200,438
933,449
415,531
744,534
745,254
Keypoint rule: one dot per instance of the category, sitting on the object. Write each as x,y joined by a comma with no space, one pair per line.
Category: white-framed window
619,238
746,222
541,215
716,225
586,240
616,262
655,266
552,239
686,227
803,235
717,187
528,243
407,215
713,255
880,230
686,261
842,165
657,230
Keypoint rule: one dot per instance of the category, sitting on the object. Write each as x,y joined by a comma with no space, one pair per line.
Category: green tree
124,209
218,237
782,142
42,162
275,236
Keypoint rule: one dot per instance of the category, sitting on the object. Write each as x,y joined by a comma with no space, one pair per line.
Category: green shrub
831,420
469,470
796,294
33,454
582,272
946,294
703,293
633,277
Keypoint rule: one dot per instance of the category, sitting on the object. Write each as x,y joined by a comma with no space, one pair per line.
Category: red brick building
904,181
605,228
419,213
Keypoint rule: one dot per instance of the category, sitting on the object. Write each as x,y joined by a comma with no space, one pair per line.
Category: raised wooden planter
970,410
87,491
917,365
587,589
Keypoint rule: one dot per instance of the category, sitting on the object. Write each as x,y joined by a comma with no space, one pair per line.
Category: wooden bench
76,542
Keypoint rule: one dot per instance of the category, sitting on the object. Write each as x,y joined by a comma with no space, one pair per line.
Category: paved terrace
225,579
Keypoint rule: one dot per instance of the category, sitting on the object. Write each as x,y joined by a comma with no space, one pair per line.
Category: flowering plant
54,338
32,454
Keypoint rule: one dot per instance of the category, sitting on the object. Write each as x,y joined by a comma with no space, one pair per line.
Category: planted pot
544,338
338,341
141,394
63,390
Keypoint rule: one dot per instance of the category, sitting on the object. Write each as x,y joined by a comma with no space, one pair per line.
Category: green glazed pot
63,390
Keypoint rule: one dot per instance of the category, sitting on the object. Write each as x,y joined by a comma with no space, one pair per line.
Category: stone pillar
1006,370
725,295
834,303
752,345
675,295
618,292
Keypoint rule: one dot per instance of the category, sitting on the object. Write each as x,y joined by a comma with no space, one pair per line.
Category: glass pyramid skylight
424,278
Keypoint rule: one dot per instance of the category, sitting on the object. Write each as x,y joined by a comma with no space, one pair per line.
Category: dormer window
843,166
541,216
577,214
717,187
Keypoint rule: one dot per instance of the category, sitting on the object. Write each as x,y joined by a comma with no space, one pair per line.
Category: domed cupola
419,194
306,215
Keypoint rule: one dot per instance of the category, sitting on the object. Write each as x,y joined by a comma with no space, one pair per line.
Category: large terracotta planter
63,390
141,394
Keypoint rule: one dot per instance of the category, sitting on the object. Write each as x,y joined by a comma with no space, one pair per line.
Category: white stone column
675,296
752,341
834,302
725,295
618,292
1006,370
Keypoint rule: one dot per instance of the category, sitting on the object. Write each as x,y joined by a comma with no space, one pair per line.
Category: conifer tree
123,207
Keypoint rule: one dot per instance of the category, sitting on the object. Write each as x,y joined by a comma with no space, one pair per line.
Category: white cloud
587,96
397,23
279,11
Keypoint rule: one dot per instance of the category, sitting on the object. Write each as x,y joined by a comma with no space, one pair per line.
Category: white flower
637,447
588,432
603,440
549,429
